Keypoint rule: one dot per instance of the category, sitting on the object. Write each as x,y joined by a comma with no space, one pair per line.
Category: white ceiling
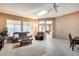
31,9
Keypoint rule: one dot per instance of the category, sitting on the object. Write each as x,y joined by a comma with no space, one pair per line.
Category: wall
67,24
4,17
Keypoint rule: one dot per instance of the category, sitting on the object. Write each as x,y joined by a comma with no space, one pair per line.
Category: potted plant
4,32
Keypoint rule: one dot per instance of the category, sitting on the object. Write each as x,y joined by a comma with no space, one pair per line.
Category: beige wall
67,24
63,25
4,17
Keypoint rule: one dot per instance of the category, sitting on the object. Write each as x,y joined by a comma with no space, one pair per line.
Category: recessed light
42,13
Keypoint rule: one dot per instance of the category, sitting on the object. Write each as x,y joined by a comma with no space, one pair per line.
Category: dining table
75,41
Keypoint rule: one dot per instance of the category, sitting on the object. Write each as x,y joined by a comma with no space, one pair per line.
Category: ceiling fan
54,6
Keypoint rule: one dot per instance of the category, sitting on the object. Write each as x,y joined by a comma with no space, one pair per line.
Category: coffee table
25,42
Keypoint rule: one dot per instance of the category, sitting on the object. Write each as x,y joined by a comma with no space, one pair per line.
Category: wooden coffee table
25,42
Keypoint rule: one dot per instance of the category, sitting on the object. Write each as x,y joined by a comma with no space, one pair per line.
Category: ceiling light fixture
42,13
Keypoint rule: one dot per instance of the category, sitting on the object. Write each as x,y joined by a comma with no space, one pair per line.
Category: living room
44,25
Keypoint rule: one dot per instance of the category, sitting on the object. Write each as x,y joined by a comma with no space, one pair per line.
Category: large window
27,27
13,26
18,26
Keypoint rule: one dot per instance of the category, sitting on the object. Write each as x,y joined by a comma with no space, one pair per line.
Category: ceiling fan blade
49,9
55,7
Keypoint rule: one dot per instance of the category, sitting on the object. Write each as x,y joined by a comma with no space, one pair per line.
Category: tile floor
48,47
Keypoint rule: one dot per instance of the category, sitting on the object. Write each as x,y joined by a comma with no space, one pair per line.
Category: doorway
46,25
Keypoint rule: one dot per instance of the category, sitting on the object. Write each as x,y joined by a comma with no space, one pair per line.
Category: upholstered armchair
39,36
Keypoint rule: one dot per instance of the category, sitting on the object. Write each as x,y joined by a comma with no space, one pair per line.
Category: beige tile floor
48,47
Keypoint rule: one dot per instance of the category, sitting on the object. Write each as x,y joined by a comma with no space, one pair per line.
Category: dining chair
70,38
73,42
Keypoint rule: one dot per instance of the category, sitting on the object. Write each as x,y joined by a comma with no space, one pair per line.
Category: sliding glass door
46,25
42,26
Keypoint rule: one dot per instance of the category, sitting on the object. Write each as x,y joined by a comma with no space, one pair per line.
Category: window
41,22
18,26
13,26
10,29
48,22
27,27
42,26
45,25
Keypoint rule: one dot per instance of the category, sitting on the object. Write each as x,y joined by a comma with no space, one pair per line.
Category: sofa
39,36
1,42
19,35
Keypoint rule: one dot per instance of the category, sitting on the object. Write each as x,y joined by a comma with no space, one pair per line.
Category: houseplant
4,32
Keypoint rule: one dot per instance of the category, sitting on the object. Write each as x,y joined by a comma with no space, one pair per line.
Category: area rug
18,45
30,50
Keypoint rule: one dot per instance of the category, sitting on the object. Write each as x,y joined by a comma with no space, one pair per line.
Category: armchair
39,36
1,42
